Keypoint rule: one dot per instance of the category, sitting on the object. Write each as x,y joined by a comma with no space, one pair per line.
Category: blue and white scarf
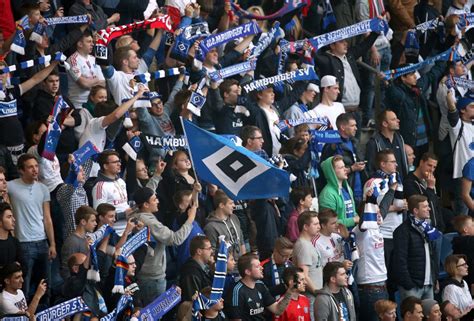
183,42
94,240
430,232
125,301
19,41
81,155
63,310
233,70
161,305
250,28
376,24
67,20
54,129
288,6
265,40
44,60
465,83
300,74
147,77
203,303
449,55
290,123
167,143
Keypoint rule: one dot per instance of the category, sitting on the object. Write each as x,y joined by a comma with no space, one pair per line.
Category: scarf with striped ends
201,302
94,240
125,302
371,207
376,8
275,274
290,123
430,232
432,24
159,74
449,55
274,35
383,181
288,6
19,41
121,263
43,60
54,129
465,83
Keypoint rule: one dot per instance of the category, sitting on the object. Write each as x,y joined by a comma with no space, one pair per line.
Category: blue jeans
368,87
368,295
426,292
35,256
150,290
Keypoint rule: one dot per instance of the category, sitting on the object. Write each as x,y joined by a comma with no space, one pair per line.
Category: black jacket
413,185
408,257
465,245
379,142
259,118
44,103
193,278
329,64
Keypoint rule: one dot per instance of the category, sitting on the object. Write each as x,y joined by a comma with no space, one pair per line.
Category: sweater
155,264
326,307
331,195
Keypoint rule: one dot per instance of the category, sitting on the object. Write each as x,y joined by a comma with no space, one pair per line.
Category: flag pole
189,149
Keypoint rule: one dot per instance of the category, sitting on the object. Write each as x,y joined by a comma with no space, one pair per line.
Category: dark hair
196,243
382,156
103,157
293,144
226,84
95,90
247,132
299,194
344,119
23,159
104,108
180,99
290,273
32,129
178,196
305,219
330,270
2,170
381,117
415,200
104,208
3,208
325,215
409,304
427,156
245,262
84,213
8,270
28,8
53,72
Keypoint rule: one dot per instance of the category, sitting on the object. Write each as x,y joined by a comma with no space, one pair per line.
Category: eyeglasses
158,104
259,137
462,265
206,248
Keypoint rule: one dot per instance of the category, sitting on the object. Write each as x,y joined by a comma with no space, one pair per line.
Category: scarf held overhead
300,74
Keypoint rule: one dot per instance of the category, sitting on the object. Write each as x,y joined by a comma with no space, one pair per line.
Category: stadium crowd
364,107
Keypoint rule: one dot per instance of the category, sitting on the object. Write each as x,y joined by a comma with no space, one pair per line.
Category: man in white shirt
328,107
111,189
12,299
84,72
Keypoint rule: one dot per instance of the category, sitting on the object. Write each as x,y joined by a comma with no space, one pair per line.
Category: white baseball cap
328,81
313,87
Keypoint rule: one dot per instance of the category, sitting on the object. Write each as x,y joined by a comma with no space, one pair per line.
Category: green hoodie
331,196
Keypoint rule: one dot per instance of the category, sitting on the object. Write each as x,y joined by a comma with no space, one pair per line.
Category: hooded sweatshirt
155,261
332,196
230,227
326,307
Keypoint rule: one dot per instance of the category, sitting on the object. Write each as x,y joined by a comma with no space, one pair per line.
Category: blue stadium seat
446,250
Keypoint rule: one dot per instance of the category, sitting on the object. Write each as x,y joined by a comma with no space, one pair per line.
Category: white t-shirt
463,152
304,253
95,133
331,112
119,83
460,297
272,119
49,171
81,66
114,193
330,247
371,265
12,303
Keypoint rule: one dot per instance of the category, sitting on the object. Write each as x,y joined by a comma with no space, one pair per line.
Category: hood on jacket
330,175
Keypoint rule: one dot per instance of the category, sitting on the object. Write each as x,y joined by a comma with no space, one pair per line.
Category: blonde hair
258,10
382,306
